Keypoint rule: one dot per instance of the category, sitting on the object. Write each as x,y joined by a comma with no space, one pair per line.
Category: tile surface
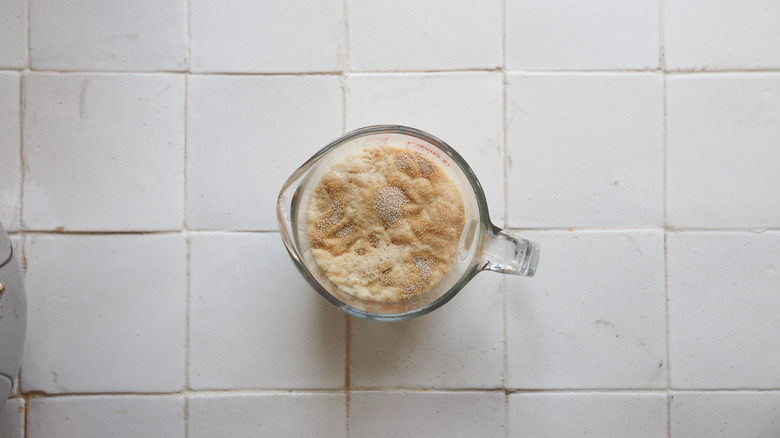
572,35
723,328
249,36
12,419
458,346
618,415
13,33
266,414
594,315
425,414
584,150
245,136
432,35
113,35
722,159
143,146
103,152
254,321
10,150
721,34
105,313
105,415
725,414
467,116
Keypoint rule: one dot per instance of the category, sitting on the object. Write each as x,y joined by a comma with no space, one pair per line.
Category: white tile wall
431,35
249,36
722,159
459,346
572,35
601,414
113,35
604,169
721,34
254,322
10,149
267,414
143,145
593,317
723,307
121,416
245,136
725,414
106,313
423,414
103,152
467,116
13,34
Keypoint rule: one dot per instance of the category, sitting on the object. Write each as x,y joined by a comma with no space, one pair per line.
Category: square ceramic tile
249,36
267,414
431,35
245,136
142,35
722,156
467,115
584,150
10,148
457,346
104,416
725,414
721,34
426,414
103,152
13,34
594,316
106,313
12,418
559,415
575,35
255,322
723,307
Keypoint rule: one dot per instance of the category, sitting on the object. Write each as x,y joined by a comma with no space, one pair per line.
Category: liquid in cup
480,245
384,223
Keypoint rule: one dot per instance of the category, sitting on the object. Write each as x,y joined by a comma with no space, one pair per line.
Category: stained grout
684,72
509,391
664,149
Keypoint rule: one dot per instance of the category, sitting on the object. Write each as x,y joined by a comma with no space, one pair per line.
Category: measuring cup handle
509,254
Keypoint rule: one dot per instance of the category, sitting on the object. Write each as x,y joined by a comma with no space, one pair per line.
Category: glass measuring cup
482,245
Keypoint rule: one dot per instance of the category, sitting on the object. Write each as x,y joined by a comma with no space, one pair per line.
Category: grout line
28,64
512,229
661,37
22,111
25,416
188,61
347,319
347,377
694,72
668,367
340,391
649,228
664,149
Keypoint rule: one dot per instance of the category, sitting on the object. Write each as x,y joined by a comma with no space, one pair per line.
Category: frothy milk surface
384,223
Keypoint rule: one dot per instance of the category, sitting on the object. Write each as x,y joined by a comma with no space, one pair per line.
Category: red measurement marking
430,151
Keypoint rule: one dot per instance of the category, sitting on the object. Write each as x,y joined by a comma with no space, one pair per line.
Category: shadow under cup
482,245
